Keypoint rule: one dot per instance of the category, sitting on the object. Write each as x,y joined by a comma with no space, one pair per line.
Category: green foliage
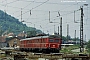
69,49
76,39
31,33
64,38
73,39
11,24
88,46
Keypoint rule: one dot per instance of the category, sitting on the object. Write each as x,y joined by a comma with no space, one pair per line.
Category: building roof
8,39
22,34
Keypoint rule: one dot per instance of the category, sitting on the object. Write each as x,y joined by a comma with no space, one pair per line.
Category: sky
35,13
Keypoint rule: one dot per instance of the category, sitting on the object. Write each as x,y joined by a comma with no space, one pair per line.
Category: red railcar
45,44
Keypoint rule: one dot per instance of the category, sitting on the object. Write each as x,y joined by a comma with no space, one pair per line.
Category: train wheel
21,49
48,51
56,51
37,50
43,51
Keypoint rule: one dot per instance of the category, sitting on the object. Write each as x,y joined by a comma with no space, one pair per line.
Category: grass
69,48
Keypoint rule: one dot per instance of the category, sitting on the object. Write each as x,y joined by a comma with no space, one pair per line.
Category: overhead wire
26,0
28,5
15,7
12,2
61,15
34,7
68,13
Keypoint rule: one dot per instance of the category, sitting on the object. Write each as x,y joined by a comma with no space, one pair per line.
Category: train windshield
51,40
57,40
54,41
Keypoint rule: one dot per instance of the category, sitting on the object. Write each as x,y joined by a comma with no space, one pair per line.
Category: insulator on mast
30,12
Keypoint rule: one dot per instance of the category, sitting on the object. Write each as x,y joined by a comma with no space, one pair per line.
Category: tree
31,33
12,24
88,46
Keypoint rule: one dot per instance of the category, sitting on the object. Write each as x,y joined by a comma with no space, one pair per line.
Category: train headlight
45,45
53,45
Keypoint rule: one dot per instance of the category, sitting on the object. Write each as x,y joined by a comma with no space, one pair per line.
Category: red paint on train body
41,44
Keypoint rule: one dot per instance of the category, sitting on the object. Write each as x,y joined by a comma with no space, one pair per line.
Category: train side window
37,40
29,41
44,40
34,41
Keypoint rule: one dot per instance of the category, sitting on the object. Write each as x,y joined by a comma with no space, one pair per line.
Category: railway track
51,55
19,55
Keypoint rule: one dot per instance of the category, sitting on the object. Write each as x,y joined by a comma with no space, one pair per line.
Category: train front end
54,44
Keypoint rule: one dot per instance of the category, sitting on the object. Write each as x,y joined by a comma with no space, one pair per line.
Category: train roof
38,37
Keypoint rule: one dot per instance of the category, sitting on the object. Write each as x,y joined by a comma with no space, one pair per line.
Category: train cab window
56,40
51,40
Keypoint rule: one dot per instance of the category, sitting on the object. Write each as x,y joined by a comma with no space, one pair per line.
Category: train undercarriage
39,50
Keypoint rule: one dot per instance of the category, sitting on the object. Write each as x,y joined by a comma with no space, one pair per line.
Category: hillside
9,23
